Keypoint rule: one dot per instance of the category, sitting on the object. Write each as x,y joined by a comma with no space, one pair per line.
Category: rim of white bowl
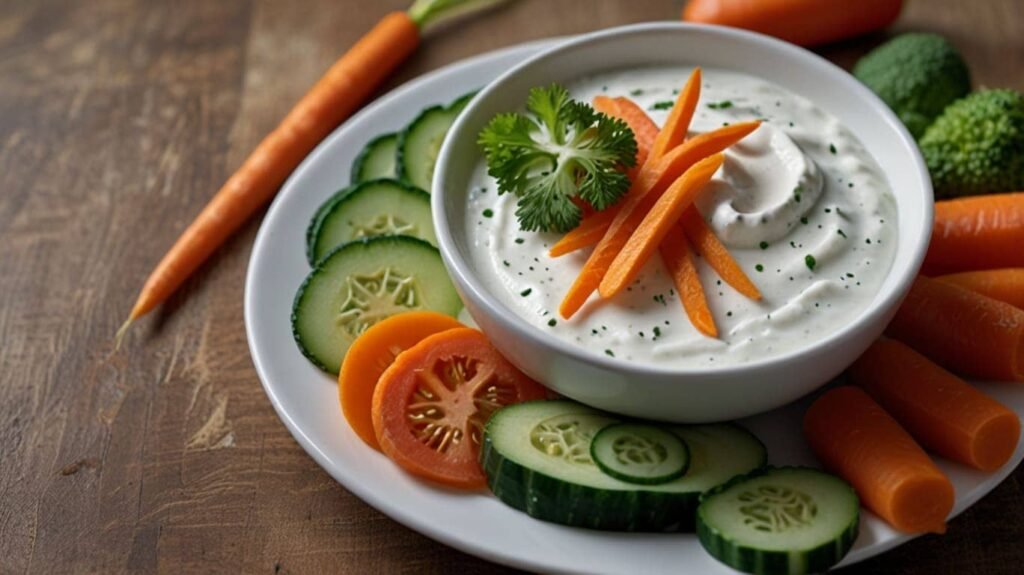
880,305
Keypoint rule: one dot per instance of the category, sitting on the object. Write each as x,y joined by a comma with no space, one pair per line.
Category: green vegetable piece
977,145
917,75
560,150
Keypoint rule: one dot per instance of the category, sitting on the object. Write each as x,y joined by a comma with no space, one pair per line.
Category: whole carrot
804,22
941,411
963,331
857,440
977,233
339,93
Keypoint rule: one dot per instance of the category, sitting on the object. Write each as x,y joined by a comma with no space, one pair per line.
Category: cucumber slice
318,216
376,160
640,453
374,208
361,283
420,142
537,459
785,520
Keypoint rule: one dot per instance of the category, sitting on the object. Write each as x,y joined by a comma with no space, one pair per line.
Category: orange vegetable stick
711,249
965,332
1006,285
856,439
340,92
642,195
941,411
675,252
977,233
678,122
371,354
656,224
803,22
593,226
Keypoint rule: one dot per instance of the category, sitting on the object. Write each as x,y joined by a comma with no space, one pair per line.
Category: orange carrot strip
856,439
678,122
345,86
803,22
593,226
1005,285
650,183
678,258
941,411
963,331
711,249
656,224
977,233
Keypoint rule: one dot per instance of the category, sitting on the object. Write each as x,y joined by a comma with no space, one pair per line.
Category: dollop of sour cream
803,208
762,190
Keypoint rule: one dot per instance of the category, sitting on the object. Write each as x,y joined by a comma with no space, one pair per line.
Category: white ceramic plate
306,399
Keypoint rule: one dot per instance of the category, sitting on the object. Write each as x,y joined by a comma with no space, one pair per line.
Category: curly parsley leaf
560,150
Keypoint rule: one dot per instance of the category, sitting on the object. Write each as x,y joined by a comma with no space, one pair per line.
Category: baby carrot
1006,285
717,256
678,258
977,233
656,224
804,22
340,92
942,412
855,438
965,332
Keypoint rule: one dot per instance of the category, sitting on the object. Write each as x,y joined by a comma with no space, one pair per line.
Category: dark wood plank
118,118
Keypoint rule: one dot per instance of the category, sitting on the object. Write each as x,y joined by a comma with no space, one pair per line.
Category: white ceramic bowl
697,394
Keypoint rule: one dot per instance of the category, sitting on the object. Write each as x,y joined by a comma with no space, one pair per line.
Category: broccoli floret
918,75
977,145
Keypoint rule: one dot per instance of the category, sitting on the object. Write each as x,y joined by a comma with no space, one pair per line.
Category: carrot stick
713,252
593,226
965,332
339,93
656,224
644,129
1005,285
855,438
652,180
942,412
803,22
674,131
977,233
678,258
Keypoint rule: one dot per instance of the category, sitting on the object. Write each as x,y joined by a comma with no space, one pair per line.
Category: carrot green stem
429,12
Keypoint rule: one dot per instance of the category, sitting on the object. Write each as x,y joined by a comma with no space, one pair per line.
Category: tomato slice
372,353
430,406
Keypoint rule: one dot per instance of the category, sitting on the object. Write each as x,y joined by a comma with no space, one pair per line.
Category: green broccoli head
918,75
977,145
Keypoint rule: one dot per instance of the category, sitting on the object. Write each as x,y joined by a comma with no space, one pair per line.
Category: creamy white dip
804,209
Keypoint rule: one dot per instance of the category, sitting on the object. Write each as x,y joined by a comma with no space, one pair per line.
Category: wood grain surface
118,119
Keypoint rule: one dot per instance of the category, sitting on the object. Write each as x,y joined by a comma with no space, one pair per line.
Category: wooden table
118,119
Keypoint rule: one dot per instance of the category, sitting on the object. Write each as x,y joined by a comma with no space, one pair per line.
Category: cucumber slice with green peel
786,520
314,222
420,142
374,208
362,282
536,456
640,453
376,160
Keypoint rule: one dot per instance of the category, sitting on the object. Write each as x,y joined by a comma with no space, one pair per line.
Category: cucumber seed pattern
562,437
638,450
374,297
383,225
777,509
